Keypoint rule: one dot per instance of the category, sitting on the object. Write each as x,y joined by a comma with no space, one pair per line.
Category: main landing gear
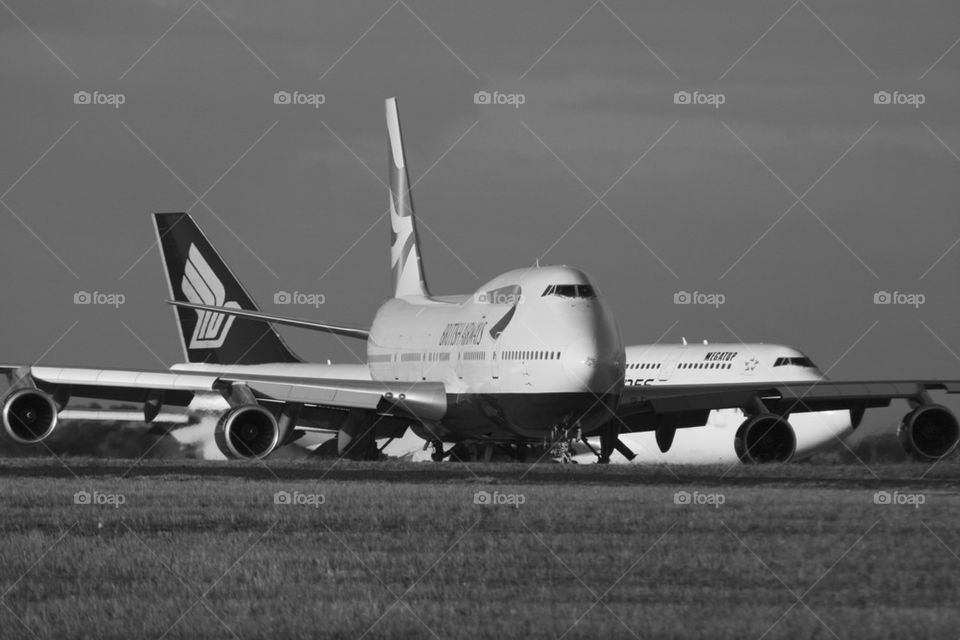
609,442
563,441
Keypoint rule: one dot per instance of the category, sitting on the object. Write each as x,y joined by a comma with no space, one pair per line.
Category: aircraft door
669,364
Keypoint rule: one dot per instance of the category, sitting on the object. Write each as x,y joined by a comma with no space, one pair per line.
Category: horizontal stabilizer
338,329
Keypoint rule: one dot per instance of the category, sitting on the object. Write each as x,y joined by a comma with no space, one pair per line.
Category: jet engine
247,432
29,416
765,438
929,432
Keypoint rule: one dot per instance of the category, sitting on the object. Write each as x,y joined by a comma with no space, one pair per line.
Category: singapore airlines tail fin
408,279
197,274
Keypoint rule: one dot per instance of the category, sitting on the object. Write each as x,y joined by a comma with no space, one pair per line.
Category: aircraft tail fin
196,273
408,278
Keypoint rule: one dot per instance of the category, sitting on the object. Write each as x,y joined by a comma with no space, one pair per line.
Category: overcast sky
705,197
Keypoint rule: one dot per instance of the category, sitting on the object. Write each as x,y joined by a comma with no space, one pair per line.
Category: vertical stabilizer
196,273
408,279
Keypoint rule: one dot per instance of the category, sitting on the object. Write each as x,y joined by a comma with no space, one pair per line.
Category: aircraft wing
422,401
929,431
777,398
425,401
109,384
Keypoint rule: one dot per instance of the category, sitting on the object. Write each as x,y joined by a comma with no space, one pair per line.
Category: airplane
720,439
533,355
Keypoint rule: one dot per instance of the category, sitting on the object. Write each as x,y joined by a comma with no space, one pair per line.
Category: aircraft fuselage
517,358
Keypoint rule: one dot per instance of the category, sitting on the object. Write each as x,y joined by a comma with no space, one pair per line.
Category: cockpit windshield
800,361
570,291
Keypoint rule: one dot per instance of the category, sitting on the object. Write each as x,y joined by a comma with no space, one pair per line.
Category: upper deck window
570,291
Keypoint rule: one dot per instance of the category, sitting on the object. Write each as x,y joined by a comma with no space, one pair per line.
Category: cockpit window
800,361
570,291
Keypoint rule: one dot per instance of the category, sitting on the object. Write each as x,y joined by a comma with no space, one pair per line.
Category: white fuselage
705,364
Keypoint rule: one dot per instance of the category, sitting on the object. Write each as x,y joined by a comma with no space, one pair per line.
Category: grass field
386,550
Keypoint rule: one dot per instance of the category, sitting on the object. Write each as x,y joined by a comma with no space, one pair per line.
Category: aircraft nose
593,367
594,357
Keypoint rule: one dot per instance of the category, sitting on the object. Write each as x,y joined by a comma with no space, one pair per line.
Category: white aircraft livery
535,355
719,439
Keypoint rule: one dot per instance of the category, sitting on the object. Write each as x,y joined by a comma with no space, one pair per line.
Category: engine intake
247,432
765,438
929,433
29,416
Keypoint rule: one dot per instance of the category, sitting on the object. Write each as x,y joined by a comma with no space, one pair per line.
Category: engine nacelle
929,433
247,432
765,438
29,416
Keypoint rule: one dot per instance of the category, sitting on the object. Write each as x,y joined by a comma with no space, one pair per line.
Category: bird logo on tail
200,285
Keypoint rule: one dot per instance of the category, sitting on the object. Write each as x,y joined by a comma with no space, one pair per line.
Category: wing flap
423,401
323,395
125,378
